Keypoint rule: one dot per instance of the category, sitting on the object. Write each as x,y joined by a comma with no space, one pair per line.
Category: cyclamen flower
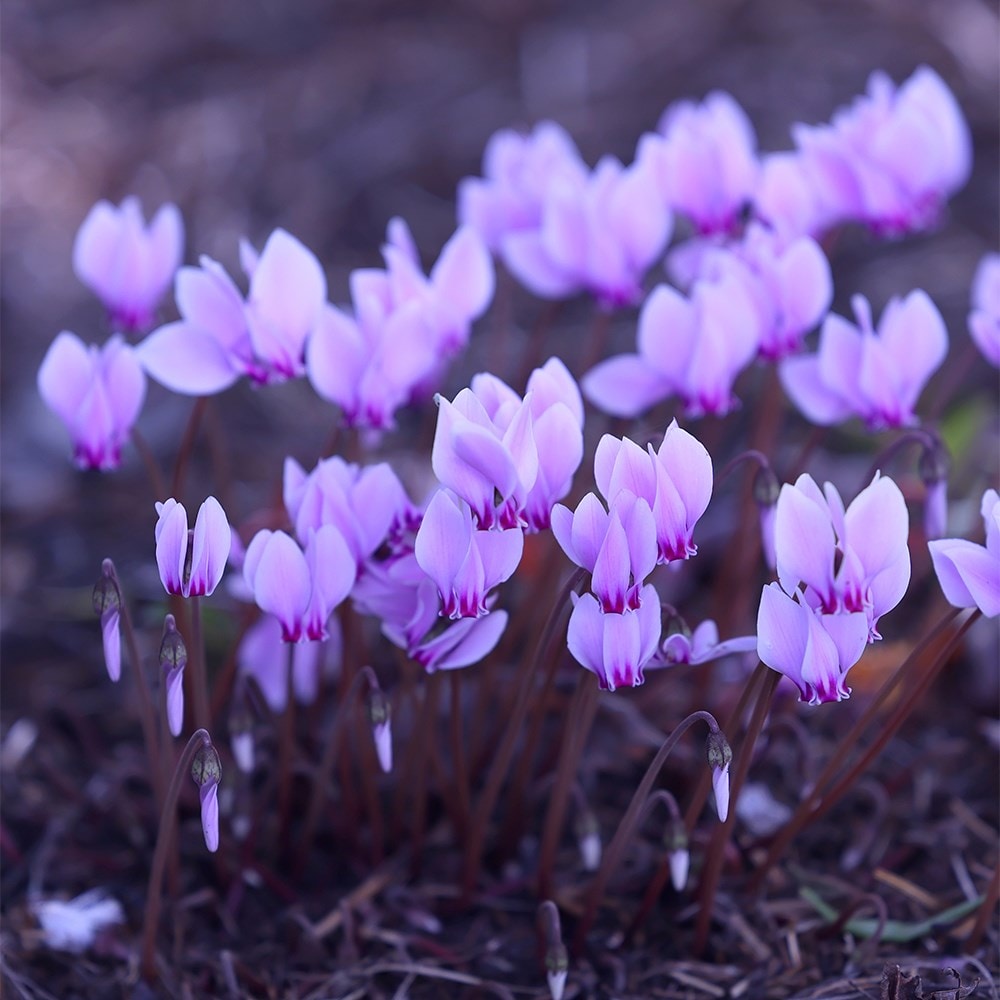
600,235
689,347
97,392
788,284
894,156
845,560
700,646
813,649
984,320
555,407
464,563
191,563
675,481
617,547
299,588
874,374
364,504
125,263
220,337
705,160
263,655
969,574
517,173
404,329
615,646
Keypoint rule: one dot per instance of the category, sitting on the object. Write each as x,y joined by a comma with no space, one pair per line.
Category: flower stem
197,666
286,753
613,852
808,808
722,833
168,821
458,756
580,717
423,753
187,445
501,761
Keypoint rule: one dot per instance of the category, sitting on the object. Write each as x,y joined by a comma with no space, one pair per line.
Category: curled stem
614,850
168,820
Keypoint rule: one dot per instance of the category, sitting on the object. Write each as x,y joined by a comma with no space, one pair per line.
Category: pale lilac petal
209,793
527,259
111,637
187,360
611,569
210,551
585,636
332,569
95,249
464,274
443,541
171,546
65,376
689,466
782,630
802,380
277,571
804,543
336,356
915,337
500,552
667,335
622,663
969,575
877,524
478,639
625,386
590,525
605,458
551,384
174,686
806,284
166,246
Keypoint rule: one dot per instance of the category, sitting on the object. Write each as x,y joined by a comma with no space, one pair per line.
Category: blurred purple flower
221,337
299,588
675,481
787,282
984,320
811,648
364,504
876,375
853,560
705,160
127,264
790,197
97,392
969,574
404,329
894,156
517,173
464,563
191,563
615,646
263,655
689,347
599,234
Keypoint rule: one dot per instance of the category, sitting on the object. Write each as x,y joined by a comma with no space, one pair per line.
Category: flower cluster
654,499
839,571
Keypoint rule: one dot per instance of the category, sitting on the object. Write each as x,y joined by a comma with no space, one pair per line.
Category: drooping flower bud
935,463
556,969
588,839
206,770
720,755
107,603
173,660
676,841
380,716
241,736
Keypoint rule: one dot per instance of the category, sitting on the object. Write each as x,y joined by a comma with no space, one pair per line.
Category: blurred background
330,118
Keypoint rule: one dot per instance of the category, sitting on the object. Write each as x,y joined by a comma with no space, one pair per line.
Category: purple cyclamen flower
517,172
600,235
127,264
555,407
464,563
492,470
97,392
617,547
405,327
874,374
787,282
812,648
220,337
984,320
191,563
675,481
206,770
299,588
209,348
263,655
845,560
894,156
615,646
688,347
969,574
705,160
701,646
364,504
